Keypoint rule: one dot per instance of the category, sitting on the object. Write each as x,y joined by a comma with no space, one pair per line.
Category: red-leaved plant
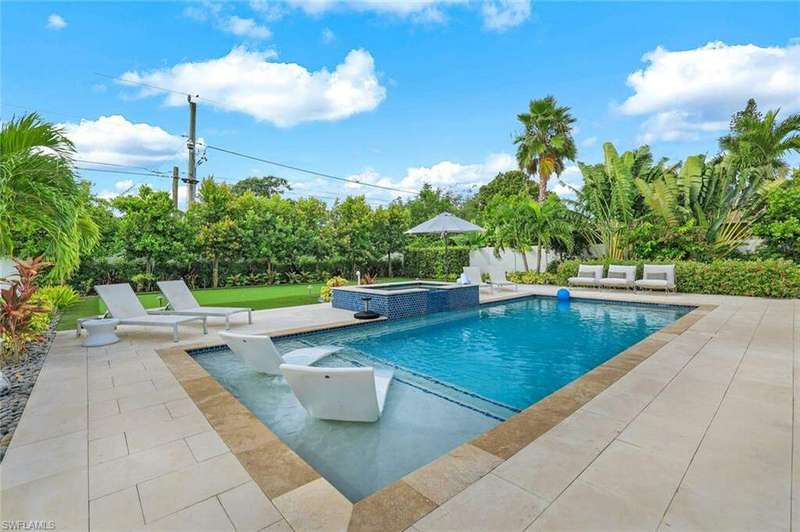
16,309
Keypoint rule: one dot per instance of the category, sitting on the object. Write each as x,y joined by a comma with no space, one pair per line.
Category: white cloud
285,94
570,179
124,185
691,92
500,15
328,37
56,22
113,139
588,142
448,175
245,27
217,13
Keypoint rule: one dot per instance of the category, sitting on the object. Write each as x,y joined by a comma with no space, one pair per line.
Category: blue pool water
457,374
514,353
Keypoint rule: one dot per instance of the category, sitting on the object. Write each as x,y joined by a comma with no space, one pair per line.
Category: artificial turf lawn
256,297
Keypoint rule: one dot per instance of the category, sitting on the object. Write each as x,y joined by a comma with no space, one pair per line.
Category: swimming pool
457,375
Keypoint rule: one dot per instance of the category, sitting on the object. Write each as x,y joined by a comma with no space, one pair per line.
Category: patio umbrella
444,224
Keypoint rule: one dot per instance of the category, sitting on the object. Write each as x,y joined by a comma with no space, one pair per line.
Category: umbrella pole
445,256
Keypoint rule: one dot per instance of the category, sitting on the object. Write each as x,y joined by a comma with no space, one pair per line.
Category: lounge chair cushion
616,281
660,284
582,280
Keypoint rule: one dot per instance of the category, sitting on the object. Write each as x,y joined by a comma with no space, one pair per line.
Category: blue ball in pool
562,294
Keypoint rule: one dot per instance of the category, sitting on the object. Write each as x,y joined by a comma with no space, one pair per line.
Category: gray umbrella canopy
444,224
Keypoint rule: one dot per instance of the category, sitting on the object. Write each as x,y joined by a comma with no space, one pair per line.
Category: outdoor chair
658,277
182,301
497,278
260,353
588,275
620,277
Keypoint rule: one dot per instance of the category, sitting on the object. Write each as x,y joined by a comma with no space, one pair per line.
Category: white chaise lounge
620,277
473,274
182,301
341,394
123,305
497,278
658,277
588,275
258,352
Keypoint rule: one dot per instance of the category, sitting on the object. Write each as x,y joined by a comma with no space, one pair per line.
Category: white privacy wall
510,260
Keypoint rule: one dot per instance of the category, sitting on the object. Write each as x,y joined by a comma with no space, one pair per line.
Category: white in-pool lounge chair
658,277
497,278
181,301
473,274
341,394
620,277
588,275
258,352
123,305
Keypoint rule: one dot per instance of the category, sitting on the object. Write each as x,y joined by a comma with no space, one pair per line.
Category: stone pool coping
280,472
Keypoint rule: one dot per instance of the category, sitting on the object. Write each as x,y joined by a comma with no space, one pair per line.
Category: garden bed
22,375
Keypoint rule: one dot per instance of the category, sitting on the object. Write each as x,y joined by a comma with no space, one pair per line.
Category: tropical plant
761,141
609,201
713,196
520,221
57,297
325,292
779,227
40,194
546,140
218,233
20,321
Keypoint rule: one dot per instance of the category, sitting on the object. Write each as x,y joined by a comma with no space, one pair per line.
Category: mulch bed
22,375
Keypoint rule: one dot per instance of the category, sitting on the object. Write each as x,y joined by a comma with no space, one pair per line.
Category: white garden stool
100,332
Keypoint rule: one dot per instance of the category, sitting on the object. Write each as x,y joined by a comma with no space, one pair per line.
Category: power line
311,172
126,172
156,87
117,165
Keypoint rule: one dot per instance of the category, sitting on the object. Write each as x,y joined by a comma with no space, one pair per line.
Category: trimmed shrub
533,277
766,278
428,263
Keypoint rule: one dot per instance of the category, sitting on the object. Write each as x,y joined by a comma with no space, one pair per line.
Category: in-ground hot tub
402,300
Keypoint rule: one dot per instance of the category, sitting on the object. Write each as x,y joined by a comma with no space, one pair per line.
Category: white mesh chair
258,352
620,277
341,394
182,301
123,305
658,277
497,278
473,274
588,275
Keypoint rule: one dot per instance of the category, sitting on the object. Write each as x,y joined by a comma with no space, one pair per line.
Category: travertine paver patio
698,435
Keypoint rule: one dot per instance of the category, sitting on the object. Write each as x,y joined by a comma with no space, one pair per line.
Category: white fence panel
510,260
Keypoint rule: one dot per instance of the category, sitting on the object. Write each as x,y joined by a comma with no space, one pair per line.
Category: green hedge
765,278
428,263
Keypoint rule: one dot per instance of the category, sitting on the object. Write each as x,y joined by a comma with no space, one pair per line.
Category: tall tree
389,229
430,202
261,185
150,228
39,193
546,140
215,221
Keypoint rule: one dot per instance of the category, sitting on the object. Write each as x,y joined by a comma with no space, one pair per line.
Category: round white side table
100,332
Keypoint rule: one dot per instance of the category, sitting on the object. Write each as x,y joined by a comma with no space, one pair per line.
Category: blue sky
391,92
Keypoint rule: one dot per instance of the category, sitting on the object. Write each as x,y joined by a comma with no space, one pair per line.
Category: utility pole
191,180
175,179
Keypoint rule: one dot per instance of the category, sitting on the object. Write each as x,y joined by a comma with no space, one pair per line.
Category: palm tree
520,222
758,141
38,191
546,141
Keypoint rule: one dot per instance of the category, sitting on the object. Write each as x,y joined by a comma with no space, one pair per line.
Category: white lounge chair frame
620,277
259,352
588,275
473,274
340,394
652,278
182,301
497,277
123,305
